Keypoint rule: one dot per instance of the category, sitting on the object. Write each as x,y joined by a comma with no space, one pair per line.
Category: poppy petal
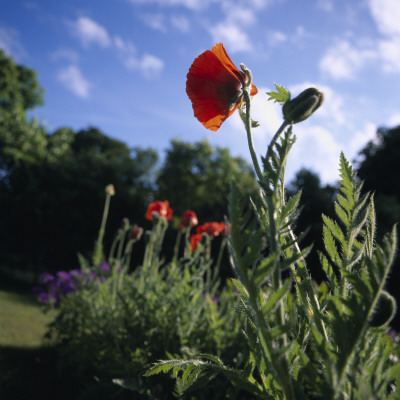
213,88
220,52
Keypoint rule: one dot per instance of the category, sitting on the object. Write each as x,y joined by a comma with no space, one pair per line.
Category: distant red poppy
161,208
215,87
195,240
211,228
188,220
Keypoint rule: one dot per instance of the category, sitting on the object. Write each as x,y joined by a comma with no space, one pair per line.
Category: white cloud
344,60
389,51
191,4
386,14
74,81
10,43
89,31
155,21
231,35
275,38
325,5
236,14
148,65
65,54
180,22
124,46
359,139
394,120
315,149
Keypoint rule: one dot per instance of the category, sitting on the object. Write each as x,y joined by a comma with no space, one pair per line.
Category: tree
19,88
20,139
197,177
315,201
379,167
53,206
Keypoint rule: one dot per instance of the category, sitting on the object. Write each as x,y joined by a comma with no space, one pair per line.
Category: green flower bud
384,311
302,106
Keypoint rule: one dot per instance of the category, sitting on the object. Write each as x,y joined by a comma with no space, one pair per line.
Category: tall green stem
283,377
257,168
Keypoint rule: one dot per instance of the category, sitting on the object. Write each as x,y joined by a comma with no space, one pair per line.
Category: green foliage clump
114,329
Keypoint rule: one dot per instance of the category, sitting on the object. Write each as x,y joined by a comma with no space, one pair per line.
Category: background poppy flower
215,87
212,229
188,220
195,239
160,207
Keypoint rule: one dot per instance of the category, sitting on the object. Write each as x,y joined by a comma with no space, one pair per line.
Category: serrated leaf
240,288
334,229
264,270
281,96
276,296
341,213
298,256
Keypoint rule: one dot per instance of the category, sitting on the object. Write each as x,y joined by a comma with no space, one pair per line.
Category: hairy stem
257,168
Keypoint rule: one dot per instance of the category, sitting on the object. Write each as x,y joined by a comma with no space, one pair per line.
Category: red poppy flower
215,87
188,220
195,240
159,207
211,228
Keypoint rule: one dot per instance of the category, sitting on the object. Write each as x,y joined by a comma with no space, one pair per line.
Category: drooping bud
384,311
302,106
136,233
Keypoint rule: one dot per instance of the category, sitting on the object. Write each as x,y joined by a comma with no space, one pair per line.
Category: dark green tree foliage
315,200
19,88
379,167
197,177
53,204
19,91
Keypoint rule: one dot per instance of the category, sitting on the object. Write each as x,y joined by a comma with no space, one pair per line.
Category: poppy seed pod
302,106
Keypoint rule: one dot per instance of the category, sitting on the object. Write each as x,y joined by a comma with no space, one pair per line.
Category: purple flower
393,335
214,298
78,273
105,267
46,278
44,298
64,276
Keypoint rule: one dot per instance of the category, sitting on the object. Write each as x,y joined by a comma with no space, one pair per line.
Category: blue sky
121,66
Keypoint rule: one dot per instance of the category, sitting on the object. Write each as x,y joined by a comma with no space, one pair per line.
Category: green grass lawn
27,362
22,322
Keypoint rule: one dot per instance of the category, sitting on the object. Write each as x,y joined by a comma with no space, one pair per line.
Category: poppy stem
247,124
276,136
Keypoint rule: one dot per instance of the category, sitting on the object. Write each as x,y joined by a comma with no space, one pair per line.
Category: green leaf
335,229
281,96
276,296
